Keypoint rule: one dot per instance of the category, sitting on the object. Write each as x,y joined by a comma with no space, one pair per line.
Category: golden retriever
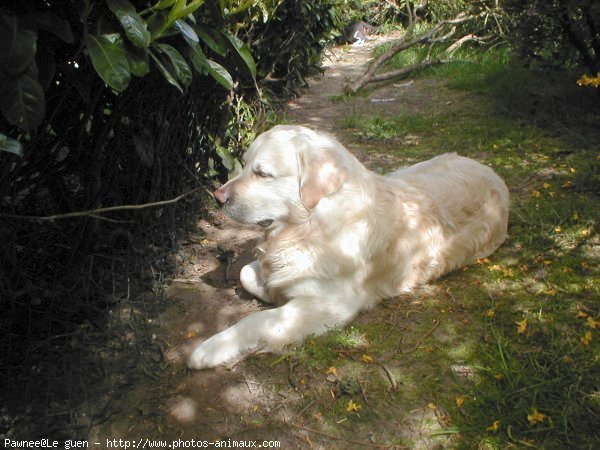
339,237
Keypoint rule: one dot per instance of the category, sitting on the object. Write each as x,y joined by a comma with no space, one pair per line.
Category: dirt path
298,401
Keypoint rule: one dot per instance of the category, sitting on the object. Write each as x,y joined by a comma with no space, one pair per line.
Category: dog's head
288,170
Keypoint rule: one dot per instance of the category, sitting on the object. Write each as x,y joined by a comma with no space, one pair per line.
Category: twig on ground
390,376
436,322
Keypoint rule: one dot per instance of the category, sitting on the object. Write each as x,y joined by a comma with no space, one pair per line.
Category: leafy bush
114,103
557,32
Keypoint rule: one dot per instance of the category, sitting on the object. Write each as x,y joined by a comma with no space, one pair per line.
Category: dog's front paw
207,355
225,348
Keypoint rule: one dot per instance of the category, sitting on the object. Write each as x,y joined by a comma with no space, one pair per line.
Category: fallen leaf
592,323
494,426
521,326
490,313
460,400
332,370
581,314
586,339
547,185
353,407
366,359
535,417
536,194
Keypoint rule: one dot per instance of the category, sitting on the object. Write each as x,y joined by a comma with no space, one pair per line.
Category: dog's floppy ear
321,174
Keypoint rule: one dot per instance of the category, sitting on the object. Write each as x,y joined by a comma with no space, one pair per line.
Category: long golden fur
340,238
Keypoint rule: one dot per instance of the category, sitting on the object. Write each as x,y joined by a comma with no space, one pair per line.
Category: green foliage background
118,102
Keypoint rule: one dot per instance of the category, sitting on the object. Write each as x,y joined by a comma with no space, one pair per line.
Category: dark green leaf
135,27
244,52
109,60
220,74
49,21
186,30
17,45
182,69
168,75
10,145
23,102
198,58
205,66
211,37
138,61
226,158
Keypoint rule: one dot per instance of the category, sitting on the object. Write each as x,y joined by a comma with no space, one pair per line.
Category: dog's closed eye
262,173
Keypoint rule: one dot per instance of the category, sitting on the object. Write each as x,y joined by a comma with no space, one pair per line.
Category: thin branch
436,322
467,38
94,212
405,42
405,70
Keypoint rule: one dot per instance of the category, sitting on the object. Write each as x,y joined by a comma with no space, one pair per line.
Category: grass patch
527,320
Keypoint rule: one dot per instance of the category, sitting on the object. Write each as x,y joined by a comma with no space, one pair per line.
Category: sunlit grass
527,319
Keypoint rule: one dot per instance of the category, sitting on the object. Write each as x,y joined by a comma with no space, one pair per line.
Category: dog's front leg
270,330
251,280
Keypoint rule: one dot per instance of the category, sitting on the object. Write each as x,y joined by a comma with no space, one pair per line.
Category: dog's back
478,226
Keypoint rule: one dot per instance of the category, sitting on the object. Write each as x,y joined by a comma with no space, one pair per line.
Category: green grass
539,131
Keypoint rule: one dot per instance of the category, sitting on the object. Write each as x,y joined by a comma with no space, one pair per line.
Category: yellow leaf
332,370
592,323
499,376
535,417
586,339
521,326
353,407
547,262
459,401
558,229
494,426
547,185
573,170
483,261
490,313
581,314
366,359
575,216
431,405
551,292
536,194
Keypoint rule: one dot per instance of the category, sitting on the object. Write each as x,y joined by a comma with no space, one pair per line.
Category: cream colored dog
340,238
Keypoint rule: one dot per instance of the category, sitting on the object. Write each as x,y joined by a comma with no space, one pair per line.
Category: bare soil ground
298,401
